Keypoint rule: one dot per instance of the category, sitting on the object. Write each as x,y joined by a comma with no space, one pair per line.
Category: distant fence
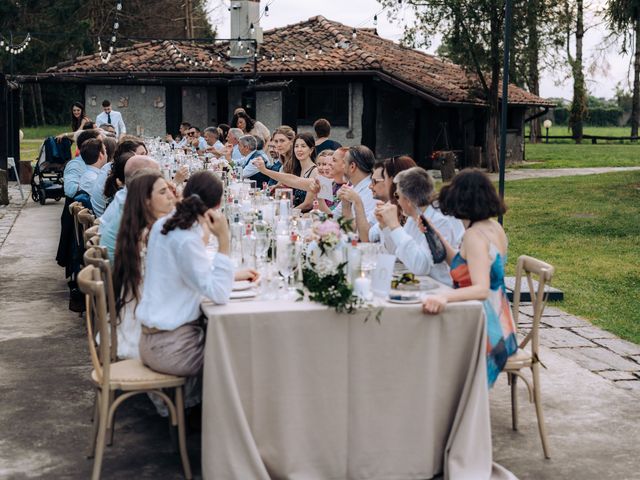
594,138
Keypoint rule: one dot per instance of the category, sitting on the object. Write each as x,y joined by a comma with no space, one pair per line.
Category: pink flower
327,228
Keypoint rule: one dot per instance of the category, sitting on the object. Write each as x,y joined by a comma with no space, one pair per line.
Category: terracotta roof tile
318,45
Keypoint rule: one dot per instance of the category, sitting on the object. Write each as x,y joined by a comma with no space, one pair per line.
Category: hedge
597,117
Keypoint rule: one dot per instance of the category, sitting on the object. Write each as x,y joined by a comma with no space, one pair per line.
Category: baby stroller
47,180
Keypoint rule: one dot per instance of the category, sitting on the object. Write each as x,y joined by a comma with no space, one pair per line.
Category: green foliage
331,290
597,116
584,155
587,227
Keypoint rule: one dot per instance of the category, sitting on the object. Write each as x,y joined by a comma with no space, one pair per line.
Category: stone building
373,91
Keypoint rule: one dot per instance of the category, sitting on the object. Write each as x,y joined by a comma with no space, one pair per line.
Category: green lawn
589,229
33,138
558,155
563,130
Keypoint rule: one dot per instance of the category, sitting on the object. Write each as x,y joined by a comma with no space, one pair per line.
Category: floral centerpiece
324,271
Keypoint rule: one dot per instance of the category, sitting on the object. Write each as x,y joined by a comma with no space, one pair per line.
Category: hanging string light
15,48
112,40
189,59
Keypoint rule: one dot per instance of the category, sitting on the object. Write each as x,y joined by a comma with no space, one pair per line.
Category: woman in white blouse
148,199
179,273
415,189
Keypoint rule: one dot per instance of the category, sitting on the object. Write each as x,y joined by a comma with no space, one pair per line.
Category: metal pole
505,100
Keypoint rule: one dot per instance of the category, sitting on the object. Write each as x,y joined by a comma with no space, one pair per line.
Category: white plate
242,285
243,294
406,299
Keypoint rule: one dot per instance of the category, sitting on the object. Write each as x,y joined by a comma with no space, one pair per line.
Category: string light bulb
252,29
354,34
119,6
375,20
306,55
266,11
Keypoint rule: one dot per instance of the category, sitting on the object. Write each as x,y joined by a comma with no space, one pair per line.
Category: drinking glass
287,260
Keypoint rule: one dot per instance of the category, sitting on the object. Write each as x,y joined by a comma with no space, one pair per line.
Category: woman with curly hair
148,199
250,126
477,269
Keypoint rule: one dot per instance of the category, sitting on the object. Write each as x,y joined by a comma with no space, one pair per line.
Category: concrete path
526,173
593,423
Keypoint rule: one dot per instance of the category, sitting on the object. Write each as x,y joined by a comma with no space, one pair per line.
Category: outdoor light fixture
119,6
547,124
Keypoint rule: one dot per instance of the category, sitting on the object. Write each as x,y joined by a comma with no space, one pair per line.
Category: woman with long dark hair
250,126
178,273
78,120
148,199
477,269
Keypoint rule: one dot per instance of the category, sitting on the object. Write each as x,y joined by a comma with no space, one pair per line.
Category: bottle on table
237,230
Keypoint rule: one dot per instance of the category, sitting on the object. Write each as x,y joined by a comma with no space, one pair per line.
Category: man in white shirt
112,118
233,137
183,129
95,157
358,165
415,190
195,139
214,145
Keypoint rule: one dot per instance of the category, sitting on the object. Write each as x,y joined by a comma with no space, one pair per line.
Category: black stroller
47,180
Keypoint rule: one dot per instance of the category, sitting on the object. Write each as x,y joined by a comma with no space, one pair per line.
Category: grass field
589,229
33,138
563,130
559,155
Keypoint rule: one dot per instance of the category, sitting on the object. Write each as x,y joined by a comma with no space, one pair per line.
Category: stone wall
352,134
269,109
195,106
142,106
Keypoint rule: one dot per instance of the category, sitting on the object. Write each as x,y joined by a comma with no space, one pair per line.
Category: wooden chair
528,358
74,210
130,377
90,233
85,219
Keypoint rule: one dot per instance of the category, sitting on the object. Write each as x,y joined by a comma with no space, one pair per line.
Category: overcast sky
360,13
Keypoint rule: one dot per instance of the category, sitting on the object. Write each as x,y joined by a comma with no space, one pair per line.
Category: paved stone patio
590,390
9,213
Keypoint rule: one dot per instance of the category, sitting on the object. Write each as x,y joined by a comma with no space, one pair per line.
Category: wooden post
4,140
40,103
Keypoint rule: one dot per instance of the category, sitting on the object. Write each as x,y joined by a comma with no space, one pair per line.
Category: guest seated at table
98,200
74,168
233,137
358,165
248,146
181,140
179,273
324,160
477,269
283,138
79,119
149,198
112,216
94,155
415,189
195,141
214,145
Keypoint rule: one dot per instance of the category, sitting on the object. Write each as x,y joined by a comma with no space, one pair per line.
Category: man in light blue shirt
95,157
74,169
248,147
110,220
195,140
98,202
233,137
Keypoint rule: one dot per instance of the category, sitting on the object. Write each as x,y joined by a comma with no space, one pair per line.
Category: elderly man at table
111,117
110,220
415,189
248,146
233,137
358,166
214,145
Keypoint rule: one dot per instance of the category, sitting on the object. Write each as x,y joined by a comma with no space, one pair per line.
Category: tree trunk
635,104
533,53
492,124
40,103
32,94
579,104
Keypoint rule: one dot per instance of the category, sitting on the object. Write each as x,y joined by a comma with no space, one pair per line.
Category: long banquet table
293,390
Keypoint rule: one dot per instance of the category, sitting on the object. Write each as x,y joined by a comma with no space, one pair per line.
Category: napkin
326,188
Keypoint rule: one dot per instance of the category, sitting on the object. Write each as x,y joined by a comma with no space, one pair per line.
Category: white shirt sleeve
417,258
214,282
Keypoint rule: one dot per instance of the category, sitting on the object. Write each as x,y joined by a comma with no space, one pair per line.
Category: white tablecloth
296,391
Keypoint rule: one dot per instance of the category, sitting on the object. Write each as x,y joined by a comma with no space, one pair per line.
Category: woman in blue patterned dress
477,269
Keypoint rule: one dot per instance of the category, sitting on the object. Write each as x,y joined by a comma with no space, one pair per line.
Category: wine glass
286,260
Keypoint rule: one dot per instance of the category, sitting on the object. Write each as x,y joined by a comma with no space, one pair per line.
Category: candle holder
284,199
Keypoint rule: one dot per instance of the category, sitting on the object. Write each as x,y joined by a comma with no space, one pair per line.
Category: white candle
267,212
362,288
284,208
